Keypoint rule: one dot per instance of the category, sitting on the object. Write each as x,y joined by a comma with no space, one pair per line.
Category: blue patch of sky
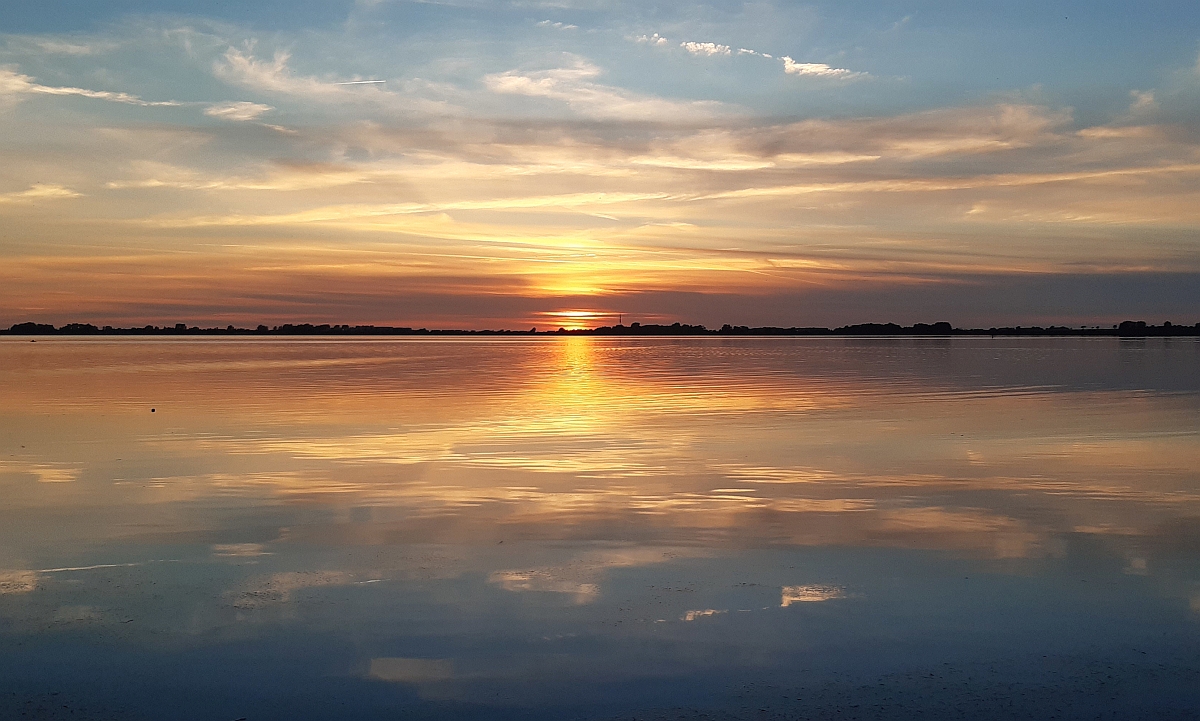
1088,55
55,16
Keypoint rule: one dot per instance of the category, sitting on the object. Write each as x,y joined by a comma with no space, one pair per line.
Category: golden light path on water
536,476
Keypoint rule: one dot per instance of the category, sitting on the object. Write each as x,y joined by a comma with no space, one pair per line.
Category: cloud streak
576,85
39,192
790,66
237,110
13,83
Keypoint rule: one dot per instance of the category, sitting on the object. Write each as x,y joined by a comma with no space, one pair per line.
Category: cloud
279,587
344,213
44,472
705,48
13,582
654,39
748,51
276,76
13,83
290,177
39,192
61,47
575,85
938,133
545,581
556,25
790,66
1143,102
239,550
934,185
817,70
273,75
1123,132
581,578
237,110
703,613
810,594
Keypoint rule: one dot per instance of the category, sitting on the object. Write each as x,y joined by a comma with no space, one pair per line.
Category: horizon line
1126,328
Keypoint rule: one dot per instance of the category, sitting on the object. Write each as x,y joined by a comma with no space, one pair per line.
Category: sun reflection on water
579,431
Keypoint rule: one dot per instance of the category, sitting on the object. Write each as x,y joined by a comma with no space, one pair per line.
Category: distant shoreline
1126,329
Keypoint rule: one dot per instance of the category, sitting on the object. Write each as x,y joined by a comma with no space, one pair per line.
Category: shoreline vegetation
1126,329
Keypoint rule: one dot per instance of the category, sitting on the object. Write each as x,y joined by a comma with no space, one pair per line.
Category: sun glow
580,319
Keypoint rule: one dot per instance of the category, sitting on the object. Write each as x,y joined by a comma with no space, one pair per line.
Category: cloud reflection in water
498,520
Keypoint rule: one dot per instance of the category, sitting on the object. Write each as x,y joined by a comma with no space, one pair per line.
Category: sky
518,163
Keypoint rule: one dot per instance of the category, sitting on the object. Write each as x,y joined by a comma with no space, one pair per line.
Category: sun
580,319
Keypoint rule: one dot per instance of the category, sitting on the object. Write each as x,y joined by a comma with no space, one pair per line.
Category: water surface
599,528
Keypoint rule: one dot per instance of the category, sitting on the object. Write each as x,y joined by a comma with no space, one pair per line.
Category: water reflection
585,526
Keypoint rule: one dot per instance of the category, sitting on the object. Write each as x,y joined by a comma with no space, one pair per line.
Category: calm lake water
599,528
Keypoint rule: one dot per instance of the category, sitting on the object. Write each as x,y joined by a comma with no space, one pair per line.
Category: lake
599,528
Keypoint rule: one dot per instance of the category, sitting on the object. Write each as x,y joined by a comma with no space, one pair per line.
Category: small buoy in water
151,410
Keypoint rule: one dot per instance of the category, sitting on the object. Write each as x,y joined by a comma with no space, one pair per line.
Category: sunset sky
517,163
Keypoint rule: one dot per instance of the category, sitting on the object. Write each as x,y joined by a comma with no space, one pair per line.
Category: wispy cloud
576,85
360,211
13,84
557,25
748,51
929,185
240,67
39,192
66,47
244,69
238,110
1143,102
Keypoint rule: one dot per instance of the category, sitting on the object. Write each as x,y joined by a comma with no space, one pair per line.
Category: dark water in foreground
600,528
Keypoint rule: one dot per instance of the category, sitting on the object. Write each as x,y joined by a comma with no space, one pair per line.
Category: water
599,528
